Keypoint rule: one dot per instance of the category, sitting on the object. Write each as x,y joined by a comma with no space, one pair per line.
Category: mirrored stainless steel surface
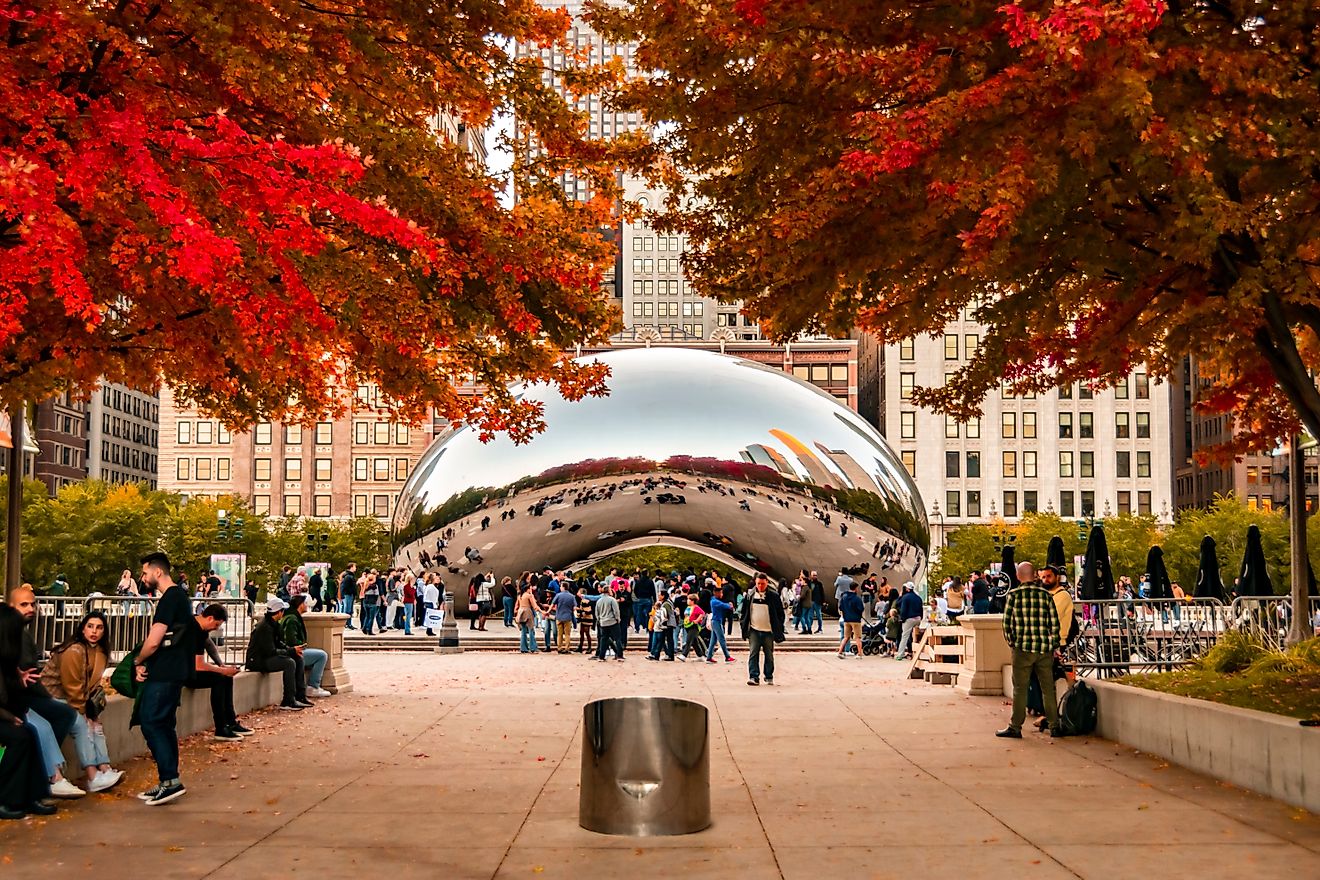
645,766
749,465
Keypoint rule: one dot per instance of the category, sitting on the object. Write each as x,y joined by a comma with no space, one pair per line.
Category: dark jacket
909,606
293,629
851,607
266,643
776,613
29,657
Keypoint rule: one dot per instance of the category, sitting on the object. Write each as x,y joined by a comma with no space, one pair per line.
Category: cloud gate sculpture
744,463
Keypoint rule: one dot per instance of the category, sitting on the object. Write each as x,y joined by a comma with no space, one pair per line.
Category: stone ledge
252,691
1268,754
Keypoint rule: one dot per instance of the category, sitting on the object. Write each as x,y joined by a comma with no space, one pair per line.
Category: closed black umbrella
1209,583
1160,586
1310,581
1010,566
1054,553
1255,577
1098,579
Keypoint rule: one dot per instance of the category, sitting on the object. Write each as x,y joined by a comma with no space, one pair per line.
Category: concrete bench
252,690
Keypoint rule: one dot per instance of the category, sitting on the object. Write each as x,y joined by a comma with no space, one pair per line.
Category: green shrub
1308,653
1233,652
1277,661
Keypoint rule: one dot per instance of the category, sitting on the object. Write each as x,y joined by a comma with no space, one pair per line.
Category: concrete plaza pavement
467,766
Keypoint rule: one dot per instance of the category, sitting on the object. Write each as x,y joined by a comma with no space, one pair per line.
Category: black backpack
1078,710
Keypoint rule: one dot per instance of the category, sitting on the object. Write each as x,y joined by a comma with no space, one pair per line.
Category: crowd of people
46,700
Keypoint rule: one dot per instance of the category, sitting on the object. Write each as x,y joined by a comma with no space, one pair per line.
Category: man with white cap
267,652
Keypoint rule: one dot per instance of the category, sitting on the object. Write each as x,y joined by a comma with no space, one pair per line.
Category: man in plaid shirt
1031,627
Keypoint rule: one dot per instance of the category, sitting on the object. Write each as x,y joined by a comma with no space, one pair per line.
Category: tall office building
60,425
1071,451
123,435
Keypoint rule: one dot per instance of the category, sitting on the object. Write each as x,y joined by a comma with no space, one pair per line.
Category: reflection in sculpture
744,463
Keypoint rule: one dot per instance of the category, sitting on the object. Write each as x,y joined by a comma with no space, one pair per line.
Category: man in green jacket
294,630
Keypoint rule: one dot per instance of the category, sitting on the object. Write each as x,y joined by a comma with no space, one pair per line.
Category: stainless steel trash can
645,767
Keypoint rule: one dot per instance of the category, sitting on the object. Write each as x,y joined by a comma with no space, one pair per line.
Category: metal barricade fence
57,620
1126,636
1267,618
129,621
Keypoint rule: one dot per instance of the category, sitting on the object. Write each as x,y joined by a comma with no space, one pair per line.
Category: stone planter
325,630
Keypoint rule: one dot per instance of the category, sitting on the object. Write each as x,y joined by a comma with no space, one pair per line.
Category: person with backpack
720,611
1031,628
73,675
663,638
1051,578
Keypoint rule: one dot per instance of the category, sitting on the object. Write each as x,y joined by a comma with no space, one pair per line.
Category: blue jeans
641,612
526,638
817,614
548,627
90,744
368,616
52,721
981,606
314,659
346,607
757,642
664,642
717,638
409,608
157,710
508,611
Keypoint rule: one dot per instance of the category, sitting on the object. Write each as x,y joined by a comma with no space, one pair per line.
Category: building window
906,350
950,346
262,434
1029,501
320,505
951,427
1143,464
202,470
1087,463
1121,389
906,382
1065,464
1065,426
380,505
261,469
325,433
184,432
1029,425
1066,392
292,469
292,435
382,433
1122,464
973,504
909,459
1010,465
974,465
400,468
1010,504
1124,502
222,469
204,432
362,433
1143,503
322,468
361,470
952,504
401,435
293,505
971,342
359,505
1086,425
1008,425
1067,505
1029,465
1143,425
952,465
182,469
1141,386
1084,392
973,428
1088,504
1122,426
380,469
907,425
261,504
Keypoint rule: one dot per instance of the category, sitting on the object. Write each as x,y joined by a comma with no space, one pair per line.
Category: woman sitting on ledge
73,674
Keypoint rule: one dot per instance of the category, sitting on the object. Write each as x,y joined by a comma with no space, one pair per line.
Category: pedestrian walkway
467,767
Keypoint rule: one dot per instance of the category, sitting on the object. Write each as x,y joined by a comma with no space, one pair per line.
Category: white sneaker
105,779
318,692
65,789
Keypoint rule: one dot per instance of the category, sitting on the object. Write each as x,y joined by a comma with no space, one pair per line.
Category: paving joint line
377,765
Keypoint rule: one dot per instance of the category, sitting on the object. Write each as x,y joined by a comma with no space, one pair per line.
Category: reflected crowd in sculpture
747,464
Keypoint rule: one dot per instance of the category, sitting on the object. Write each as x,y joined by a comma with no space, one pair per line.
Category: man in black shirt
216,677
163,664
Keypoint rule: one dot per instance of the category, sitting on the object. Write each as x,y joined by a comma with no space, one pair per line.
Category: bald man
49,718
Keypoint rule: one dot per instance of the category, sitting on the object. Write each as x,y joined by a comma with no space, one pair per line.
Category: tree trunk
1300,627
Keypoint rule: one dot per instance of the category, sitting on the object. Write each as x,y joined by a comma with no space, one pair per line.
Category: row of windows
660,243
664,288
122,401
651,266
833,374
668,310
363,505
1024,464
1139,387
125,429
697,330
1013,425
954,503
206,432
201,469
127,456
724,319
379,469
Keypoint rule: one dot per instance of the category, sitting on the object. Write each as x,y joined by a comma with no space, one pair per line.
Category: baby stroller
873,637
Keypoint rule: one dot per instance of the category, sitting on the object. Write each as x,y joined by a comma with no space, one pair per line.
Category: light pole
935,514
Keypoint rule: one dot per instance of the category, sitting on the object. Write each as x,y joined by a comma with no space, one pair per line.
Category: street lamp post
936,515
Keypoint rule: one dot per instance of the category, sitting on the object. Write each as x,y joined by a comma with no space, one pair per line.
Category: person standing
564,605
586,619
817,603
526,613
663,640
163,664
804,607
348,592
954,598
409,593
643,598
762,627
909,615
851,608
315,584
508,597
430,598
720,611
1031,628
609,624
